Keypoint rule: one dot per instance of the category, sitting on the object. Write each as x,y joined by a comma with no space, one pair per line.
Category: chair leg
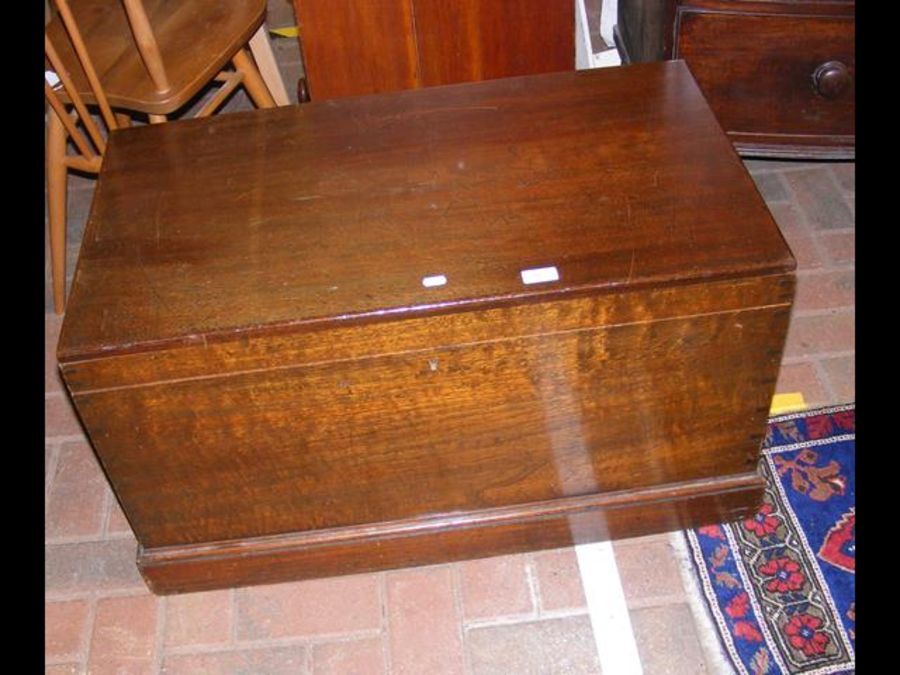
157,119
123,120
253,81
261,48
57,179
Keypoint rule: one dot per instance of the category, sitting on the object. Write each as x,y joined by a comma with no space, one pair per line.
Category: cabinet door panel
468,40
352,48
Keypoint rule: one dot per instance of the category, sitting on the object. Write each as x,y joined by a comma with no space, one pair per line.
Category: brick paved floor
511,614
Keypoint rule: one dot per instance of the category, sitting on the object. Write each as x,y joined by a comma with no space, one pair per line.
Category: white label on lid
540,275
436,280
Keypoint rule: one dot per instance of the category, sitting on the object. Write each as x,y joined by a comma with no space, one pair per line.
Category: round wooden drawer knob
831,79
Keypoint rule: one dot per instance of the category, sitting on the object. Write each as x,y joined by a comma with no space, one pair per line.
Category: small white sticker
540,275
436,280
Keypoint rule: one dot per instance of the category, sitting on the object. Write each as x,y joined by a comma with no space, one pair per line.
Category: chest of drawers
778,74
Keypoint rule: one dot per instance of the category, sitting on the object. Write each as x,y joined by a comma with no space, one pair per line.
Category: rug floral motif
781,585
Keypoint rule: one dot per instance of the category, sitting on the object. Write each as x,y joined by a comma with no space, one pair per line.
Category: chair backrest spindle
77,137
65,13
146,44
54,99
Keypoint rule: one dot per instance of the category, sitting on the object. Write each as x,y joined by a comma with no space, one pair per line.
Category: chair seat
192,55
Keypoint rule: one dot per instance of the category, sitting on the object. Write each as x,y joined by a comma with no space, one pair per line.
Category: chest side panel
577,406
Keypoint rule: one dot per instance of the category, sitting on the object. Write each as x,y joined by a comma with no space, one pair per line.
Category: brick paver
648,571
77,503
90,567
116,523
558,580
51,452
818,334
667,640
805,247
59,416
564,645
424,622
199,618
839,248
789,218
65,630
494,587
827,289
840,372
803,377
845,174
52,381
820,197
360,657
291,660
124,636
771,187
318,607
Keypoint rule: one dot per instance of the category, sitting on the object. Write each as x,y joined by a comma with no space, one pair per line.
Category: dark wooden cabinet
351,47
779,74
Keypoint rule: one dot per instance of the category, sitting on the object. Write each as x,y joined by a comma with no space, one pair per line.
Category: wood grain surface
334,212
471,40
274,394
351,48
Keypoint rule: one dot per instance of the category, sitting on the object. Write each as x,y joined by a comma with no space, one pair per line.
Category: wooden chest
425,326
778,74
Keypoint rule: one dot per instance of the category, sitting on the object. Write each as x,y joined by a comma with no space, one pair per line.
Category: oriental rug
781,585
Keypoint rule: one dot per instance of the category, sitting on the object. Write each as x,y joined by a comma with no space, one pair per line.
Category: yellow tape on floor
785,403
287,31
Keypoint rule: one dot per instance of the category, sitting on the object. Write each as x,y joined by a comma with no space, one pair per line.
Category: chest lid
435,200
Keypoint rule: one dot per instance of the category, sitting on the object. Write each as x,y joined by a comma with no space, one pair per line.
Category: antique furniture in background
779,74
141,56
352,47
427,325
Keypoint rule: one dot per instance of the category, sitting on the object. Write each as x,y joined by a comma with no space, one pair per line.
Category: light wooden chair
150,57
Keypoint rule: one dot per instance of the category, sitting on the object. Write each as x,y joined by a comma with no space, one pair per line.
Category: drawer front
773,79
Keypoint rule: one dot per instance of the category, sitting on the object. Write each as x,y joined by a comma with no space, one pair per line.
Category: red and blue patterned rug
781,585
